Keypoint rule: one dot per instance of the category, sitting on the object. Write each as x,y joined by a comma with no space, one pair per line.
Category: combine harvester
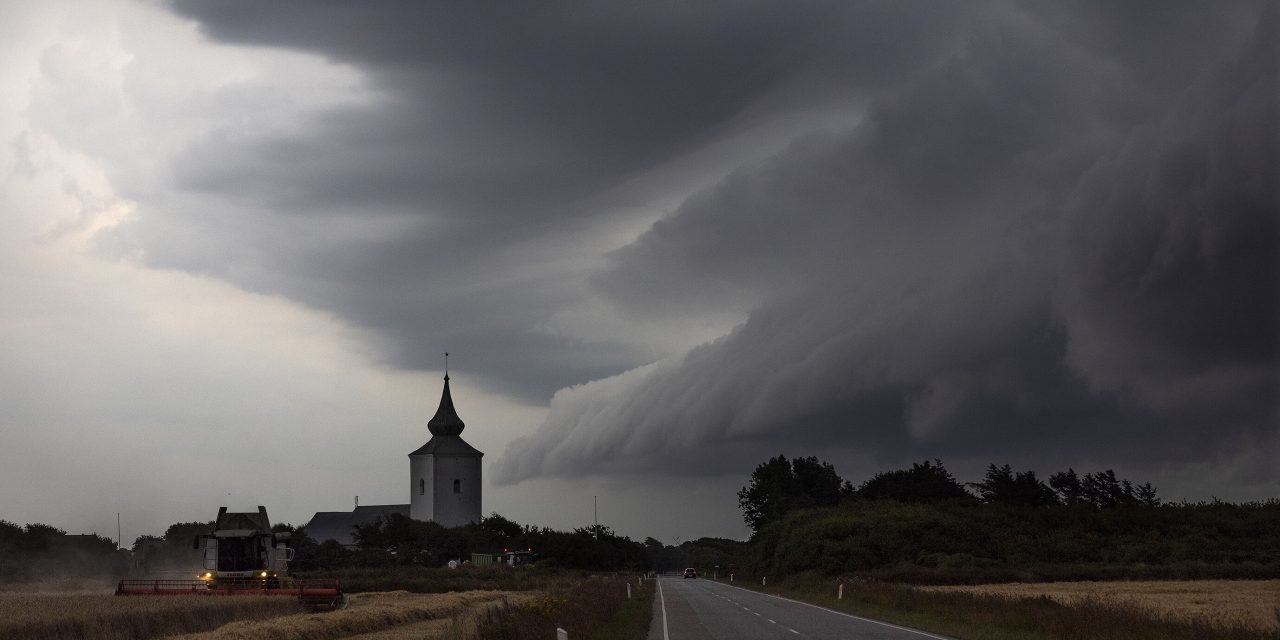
242,557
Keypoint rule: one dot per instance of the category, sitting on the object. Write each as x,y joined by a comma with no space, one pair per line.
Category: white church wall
421,487
456,508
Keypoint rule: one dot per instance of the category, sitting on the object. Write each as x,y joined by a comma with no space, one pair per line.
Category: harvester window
236,554
457,485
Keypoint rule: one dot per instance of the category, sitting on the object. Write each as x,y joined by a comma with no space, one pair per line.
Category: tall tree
1102,490
1146,495
1002,485
779,485
817,483
923,482
1068,487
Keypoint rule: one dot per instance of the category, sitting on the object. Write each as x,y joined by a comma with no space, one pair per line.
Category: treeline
921,524
399,540
779,486
707,554
39,552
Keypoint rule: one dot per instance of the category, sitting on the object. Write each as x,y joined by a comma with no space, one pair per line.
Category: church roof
447,446
340,525
446,421
445,428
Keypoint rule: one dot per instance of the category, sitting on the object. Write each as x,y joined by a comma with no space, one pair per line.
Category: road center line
841,613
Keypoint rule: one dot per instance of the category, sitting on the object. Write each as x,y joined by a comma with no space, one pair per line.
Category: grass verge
593,608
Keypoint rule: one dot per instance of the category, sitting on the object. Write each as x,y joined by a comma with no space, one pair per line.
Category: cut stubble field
378,614
102,616
98,616
1252,603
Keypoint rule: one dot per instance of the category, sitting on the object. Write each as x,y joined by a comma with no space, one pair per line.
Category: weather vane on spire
446,365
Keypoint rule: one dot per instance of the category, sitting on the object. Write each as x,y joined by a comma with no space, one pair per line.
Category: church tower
444,473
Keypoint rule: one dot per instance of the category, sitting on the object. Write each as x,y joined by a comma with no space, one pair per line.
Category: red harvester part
316,594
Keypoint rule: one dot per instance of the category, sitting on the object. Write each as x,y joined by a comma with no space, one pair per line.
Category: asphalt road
698,609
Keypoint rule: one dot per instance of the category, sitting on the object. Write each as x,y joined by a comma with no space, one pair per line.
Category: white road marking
793,631
755,613
772,621
841,613
665,634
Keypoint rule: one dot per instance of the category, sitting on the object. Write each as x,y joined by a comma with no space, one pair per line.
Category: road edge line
663,599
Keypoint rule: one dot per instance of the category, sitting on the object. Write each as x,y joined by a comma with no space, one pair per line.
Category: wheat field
1253,603
102,616
366,613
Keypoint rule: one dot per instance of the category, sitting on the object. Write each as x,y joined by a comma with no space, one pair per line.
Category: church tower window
422,487
457,485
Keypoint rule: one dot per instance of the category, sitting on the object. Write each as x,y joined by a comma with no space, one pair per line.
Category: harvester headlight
208,575
264,574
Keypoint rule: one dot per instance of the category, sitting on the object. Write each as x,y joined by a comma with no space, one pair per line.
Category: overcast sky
663,242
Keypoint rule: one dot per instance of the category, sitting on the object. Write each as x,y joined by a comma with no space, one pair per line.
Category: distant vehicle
691,573
508,558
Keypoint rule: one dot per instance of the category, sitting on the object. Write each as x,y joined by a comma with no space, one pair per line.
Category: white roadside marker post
628,590
561,634
764,581
840,592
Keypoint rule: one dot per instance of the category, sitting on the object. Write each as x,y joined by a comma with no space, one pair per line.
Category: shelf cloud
1033,232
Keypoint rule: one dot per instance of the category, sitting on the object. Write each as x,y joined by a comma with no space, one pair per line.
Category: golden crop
1253,603
98,616
366,612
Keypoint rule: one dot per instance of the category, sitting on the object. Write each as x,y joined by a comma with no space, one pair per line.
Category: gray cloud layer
1051,233
498,136
1018,255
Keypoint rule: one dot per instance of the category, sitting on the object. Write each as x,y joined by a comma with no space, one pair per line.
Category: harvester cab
242,548
243,557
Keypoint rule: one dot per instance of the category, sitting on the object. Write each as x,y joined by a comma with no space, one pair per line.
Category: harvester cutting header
242,556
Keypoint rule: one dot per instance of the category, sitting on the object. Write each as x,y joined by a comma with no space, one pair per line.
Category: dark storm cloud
1053,227
504,116
495,127
1038,252
497,131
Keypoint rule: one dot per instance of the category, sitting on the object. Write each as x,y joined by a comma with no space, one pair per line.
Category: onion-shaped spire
446,421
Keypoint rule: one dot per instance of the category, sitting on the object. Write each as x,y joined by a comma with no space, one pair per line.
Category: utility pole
119,541
595,511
